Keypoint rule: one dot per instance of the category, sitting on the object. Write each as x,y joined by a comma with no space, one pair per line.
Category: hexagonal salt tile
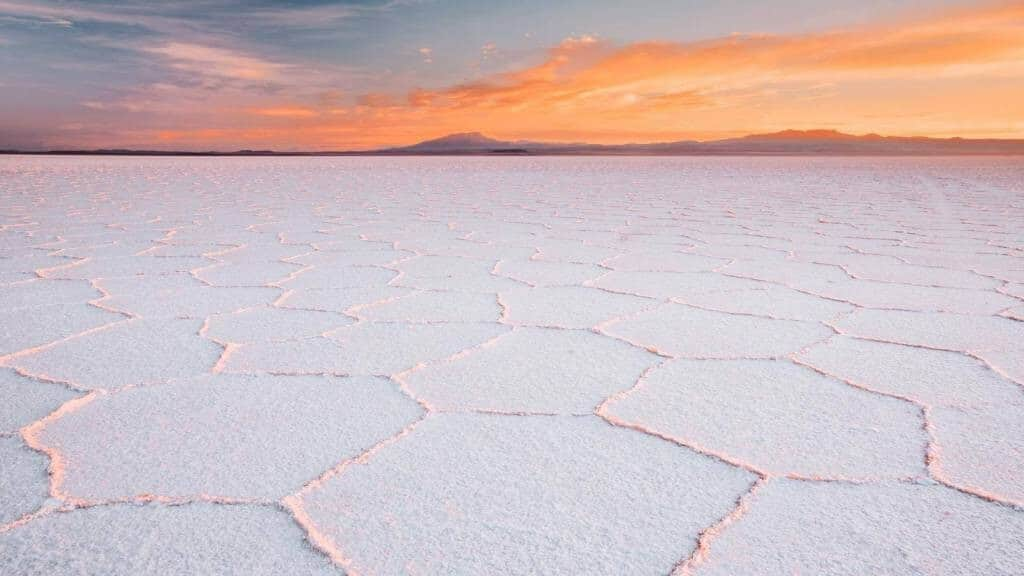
684,331
340,299
227,435
567,306
780,418
269,324
153,539
483,494
544,273
365,348
795,527
26,328
25,400
433,306
935,329
131,352
974,412
24,485
533,370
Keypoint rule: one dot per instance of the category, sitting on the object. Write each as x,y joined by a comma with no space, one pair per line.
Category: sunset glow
340,76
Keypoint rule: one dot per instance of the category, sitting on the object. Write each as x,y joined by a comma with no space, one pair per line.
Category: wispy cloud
286,112
38,21
211,61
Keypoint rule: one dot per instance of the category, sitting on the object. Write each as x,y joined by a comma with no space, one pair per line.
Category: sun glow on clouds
286,112
958,73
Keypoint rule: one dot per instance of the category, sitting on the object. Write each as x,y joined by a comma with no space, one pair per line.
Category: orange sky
946,73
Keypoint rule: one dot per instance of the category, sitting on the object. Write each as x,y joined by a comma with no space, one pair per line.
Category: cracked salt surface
518,365
127,540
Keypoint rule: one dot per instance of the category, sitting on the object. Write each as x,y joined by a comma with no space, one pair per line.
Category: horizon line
560,148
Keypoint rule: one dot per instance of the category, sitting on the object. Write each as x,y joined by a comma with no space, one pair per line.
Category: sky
347,75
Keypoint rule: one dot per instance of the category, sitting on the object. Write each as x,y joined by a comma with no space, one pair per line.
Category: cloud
211,61
39,21
286,112
427,54
123,104
205,18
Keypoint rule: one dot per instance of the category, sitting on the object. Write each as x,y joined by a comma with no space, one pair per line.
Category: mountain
464,143
820,142
819,134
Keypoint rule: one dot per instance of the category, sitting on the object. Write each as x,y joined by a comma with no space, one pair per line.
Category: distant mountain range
785,143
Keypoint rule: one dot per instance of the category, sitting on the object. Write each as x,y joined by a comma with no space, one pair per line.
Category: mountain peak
459,141
818,134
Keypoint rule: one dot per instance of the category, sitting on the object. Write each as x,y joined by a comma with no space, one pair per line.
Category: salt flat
688,366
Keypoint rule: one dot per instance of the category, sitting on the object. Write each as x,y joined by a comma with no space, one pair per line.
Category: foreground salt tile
533,370
23,266
248,273
25,400
556,250
778,417
273,324
485,494
228,435
213,250
443,266
935,329
666,285
568,306
980,449
339,277
23,482
791,273
366,257
771,301
543,273
458,281
180,296
131,352
340,299
974,413
263,252
741,251
887,295
1014,289
25,328
154,540
665,260
920,275
464,248
436,306
688,332
39,292
842,529
127,266
338,243
366,348
1009,363
452,273
933,377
